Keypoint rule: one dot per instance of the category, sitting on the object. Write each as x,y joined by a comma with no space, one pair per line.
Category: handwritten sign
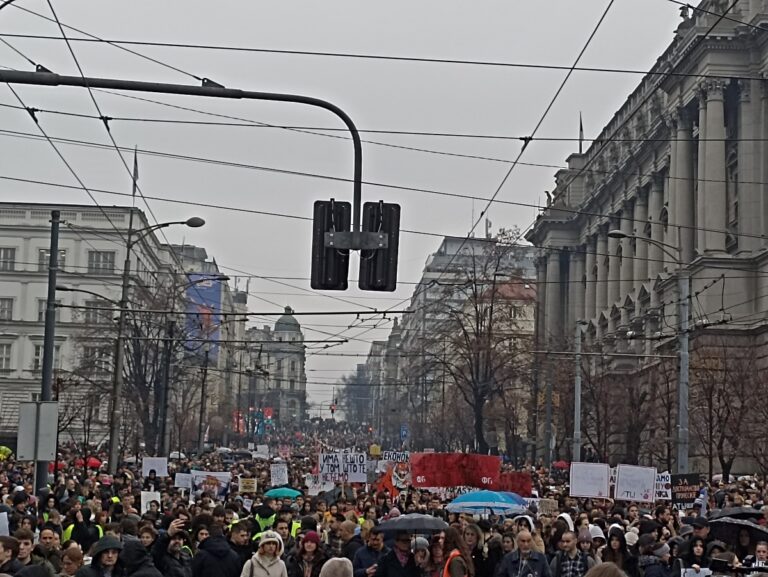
685,489
590,480
157,464
315,485
247,485
664,486
262,452
183,481
278,473
635,483
349,467
548,507
395,456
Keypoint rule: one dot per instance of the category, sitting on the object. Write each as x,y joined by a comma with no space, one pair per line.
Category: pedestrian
137,561
104,559
215,557
524,561
399,562
266,562
309,558
457,554
571,561
338,567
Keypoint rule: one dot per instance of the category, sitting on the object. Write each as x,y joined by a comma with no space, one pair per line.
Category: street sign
403,432
38,425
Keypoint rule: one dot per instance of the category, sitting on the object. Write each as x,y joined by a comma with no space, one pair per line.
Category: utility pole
165,437
548,423
684,288
203,393
49,343
576,456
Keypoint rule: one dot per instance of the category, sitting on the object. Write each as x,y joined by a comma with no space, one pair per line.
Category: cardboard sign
4,528
664,486
248,485
395,456
315,485
455,470
515,482
685,489
548,507
590,480
349,467
262,452
284,451
635,483
147,497
157,464
278,473
247,504
214,482
183,481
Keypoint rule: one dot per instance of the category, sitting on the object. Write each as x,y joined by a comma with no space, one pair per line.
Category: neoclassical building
683,163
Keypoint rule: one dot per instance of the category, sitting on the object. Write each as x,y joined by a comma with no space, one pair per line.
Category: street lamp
684,288
117,381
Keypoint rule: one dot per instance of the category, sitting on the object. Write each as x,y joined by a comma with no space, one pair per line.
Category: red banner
519,483
455,470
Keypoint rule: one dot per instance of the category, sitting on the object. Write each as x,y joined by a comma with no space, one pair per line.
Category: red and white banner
455,470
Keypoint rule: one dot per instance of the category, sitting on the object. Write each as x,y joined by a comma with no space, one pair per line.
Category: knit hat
596,532
312,537
585,536
420,543
20,497
272,537
631,538
661,550
685,530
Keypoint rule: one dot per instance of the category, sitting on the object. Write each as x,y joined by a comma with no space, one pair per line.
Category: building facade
675,184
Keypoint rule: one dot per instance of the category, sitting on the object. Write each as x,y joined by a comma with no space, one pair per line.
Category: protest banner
147,497
262,452
590,480
635,483
247,504
349,467
455,470
515,482
247,485
4,527
157,464
315,485
183,481
278,473
214,482
548,507
284,452
685,489
664,486
395,456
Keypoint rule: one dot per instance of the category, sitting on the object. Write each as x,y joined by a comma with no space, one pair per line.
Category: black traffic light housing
378,267
330,265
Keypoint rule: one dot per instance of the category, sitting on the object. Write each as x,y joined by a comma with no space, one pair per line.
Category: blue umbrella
282,492
479,502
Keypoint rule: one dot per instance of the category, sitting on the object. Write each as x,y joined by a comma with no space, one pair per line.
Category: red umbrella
560,465
93,463
79,462
60,465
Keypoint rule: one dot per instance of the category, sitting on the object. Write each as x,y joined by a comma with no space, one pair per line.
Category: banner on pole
515,482
455,470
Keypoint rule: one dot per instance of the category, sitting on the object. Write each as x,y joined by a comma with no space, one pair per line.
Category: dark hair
218,511
216,530
24,535
74,555
239,527
11,544
129,527
454,540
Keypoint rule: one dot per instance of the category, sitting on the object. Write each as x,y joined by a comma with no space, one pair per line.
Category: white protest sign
590,480
262,452
315,485
183,481
613,477
250,446
4,529
247,504
349,467
157,464
278,474
635,483
147,497
395,456
664,486
247,484
214,482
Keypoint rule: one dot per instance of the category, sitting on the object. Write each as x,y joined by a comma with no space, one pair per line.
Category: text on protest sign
685,489
395,456
278,474
349,467
636,483
315,485
590,480
664,486
247,485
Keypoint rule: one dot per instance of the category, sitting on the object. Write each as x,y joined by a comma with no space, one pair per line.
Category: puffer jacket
261,566
214,557
137,562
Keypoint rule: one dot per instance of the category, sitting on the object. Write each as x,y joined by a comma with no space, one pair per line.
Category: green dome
287,323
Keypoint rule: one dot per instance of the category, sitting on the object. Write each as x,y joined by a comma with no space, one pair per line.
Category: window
5,356
293,366
7,259
6,309
101,261
97,359
93,315
292,384
279,366
41,306
37,362
43,257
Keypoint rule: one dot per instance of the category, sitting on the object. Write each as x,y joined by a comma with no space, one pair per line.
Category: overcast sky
377,94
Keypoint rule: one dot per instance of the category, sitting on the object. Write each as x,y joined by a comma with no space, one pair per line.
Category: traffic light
333,409
330,266
378,268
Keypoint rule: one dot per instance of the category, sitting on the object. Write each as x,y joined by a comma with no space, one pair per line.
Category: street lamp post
684,290
203,393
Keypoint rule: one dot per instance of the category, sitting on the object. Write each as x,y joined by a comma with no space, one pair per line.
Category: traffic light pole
211,89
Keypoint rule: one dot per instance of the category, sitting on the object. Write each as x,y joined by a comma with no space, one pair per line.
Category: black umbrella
414,523
726,529
747,513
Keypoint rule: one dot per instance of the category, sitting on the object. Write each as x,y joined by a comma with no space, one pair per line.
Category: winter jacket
261,566
651,566
167,564
390,566
95,569
137,561
296,564
349,548
46,565
243,552
214,557
366,557
513,566
11,567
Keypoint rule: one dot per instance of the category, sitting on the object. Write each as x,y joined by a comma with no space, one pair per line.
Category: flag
581,135
135,171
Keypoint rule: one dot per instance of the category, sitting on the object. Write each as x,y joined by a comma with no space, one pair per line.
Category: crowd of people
89,524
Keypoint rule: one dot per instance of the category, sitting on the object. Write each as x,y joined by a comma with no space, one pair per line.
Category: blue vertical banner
204,314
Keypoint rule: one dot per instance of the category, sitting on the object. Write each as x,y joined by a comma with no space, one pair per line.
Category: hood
567,518
648,560
527,518
272,537
134,555
105,544
216,546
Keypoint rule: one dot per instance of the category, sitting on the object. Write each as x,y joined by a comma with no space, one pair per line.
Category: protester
367,557
266,562
104,559
71,561
9,551
457,554
215,557
570,561
524,561
399,561
169,553
137,561
309,557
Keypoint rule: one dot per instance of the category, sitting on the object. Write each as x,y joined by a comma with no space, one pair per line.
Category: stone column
614,272
714,196
655,206
749,193
590,292
601,256
701,172
541,294
640,219
670,235
764,156
683,233
576,292
552,314
627,260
